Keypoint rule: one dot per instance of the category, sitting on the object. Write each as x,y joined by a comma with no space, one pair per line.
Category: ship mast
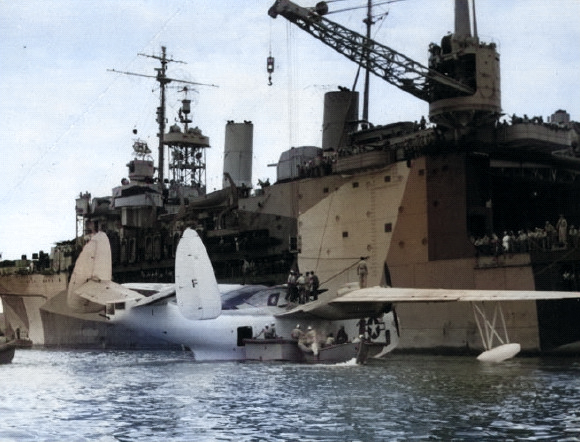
369,23
163,81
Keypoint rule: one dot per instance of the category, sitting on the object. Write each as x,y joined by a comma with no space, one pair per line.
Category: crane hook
270,68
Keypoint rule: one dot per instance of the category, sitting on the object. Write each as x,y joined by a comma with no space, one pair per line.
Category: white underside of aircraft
214,320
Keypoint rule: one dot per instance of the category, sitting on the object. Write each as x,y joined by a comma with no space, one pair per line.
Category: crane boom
384,62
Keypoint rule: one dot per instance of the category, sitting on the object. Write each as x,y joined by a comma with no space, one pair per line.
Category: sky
67,122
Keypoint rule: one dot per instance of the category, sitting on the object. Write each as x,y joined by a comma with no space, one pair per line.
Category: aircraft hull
223,338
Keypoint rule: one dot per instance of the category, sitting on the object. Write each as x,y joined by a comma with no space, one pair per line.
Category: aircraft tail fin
197,292
93,264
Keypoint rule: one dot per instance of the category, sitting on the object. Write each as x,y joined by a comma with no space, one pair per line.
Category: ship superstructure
246,232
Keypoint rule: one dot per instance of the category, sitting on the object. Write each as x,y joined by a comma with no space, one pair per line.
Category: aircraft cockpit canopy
253,296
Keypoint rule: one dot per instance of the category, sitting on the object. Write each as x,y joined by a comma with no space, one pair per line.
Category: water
151,396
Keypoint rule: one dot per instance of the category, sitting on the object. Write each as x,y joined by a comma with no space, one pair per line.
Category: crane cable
270,59
360,7
290,43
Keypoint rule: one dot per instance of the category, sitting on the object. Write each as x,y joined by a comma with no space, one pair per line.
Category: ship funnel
462,22
238,151
340,118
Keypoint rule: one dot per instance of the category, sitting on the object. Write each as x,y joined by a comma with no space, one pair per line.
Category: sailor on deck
362,271
341,336
330,339
310,336
265,331
297,334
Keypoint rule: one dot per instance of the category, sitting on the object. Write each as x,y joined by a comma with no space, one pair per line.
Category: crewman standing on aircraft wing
362,271
292,294
301,283
314,284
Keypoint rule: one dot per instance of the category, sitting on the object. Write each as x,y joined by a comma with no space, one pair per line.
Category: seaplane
225,322
222,322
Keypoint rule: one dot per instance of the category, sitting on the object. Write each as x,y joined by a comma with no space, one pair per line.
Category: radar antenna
163,81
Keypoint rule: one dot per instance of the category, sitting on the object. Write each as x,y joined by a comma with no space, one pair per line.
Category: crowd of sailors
310,339
321,165
409,137
306,338
424,134
302,288
539,120
546,238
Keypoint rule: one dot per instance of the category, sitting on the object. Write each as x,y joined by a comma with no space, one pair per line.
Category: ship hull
35,309
413,221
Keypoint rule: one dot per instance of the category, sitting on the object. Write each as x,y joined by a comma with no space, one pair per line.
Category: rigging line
9,195
363,6
7,198
165,25
324,231
555,262
270,37
291,79
162,29
295,96
340,273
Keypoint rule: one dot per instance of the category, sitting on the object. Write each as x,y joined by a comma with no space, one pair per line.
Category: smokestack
474,21
462,22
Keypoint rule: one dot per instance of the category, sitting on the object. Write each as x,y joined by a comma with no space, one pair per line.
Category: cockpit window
234,299
269,297
273,299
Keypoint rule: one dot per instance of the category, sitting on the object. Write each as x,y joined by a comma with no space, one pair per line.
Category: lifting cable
270,59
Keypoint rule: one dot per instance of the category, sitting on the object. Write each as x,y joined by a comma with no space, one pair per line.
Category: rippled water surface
145,396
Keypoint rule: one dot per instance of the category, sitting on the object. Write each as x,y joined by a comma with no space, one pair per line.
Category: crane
461,84
386,63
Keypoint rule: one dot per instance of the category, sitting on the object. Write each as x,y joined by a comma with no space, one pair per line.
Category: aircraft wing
335,311
373,301
397,295
106,292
